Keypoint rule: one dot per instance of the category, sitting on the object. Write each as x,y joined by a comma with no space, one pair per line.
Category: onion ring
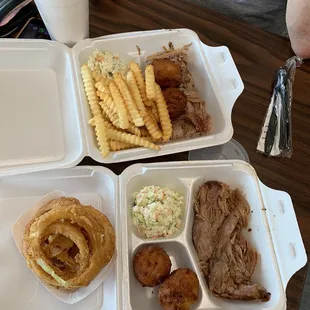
66,244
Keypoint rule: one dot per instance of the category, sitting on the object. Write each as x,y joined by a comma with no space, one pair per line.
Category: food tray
44,111
275,232
20,288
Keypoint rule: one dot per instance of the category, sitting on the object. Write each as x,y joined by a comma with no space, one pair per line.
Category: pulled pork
195,121
226,258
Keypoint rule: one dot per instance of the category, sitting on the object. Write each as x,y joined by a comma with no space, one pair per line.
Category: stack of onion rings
66,244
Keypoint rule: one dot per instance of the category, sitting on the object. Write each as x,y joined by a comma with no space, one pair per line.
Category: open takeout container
274,232
44,110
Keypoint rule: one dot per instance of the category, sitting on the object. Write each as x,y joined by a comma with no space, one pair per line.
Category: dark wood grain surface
258,55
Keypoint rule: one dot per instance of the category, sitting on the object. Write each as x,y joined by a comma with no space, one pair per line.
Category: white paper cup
67,21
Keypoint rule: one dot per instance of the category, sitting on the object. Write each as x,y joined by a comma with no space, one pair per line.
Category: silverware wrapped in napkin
276,135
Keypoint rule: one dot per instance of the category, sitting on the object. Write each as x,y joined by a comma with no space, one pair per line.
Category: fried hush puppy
176,102
151,266
179,290
167,73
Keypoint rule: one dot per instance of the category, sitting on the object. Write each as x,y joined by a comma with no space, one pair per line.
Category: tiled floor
305,300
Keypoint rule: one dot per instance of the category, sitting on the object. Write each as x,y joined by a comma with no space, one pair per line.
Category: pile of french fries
127,112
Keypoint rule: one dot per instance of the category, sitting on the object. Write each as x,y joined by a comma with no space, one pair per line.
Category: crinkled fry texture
93,102
66,244
163,114
150,83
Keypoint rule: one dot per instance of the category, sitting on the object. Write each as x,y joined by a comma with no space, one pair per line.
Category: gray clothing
266,14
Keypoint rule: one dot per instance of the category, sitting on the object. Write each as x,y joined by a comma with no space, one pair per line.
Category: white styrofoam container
275,233
44,111
20,288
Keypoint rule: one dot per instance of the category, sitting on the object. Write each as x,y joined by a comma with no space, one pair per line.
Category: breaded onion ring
66,244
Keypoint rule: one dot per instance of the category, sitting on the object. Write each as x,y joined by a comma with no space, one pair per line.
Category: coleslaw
157,211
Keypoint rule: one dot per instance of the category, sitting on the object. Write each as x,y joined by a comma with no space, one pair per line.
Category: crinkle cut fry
140,82
106,106
155,112
149,122
120,105
144,132
93,101
90,90
106,97
135,92
111,115
131,106
114,134
96,75
163,114
103,85
101,134
118,145
150,83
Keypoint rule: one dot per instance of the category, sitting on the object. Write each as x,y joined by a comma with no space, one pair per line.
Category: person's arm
298,24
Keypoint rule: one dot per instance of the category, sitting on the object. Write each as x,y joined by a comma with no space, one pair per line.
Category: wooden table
258,55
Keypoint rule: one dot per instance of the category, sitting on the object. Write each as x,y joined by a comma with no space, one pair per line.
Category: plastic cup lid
230,150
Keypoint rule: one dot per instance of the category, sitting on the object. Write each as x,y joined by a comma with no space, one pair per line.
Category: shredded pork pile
195,121
227,259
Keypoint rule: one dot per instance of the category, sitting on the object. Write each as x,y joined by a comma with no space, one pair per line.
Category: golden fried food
152,126
112,116
102,87
120,105
130,104
96,75
56,245
151,266
93,102
101,135
114,134
66,244
167,73
149,122
107,99
90,90
154,111
102,84
176,102
140,82
134,130
144,132
135,92
118,146
150,83
163,113
179,290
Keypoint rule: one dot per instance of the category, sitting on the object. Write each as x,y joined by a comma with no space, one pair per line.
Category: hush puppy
179,290
151,266
167,73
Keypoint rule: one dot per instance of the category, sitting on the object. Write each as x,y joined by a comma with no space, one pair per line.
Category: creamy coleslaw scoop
156,211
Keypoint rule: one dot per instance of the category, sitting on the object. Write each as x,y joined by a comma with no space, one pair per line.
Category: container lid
230,150
39,111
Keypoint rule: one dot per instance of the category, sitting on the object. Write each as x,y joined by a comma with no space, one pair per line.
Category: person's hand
298,25
300,41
